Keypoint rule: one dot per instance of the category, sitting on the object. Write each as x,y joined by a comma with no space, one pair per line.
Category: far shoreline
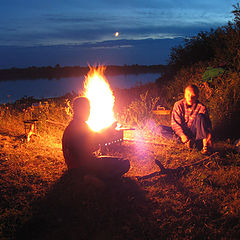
58,72
33,98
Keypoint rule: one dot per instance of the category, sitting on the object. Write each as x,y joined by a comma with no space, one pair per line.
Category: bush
139,111
224,104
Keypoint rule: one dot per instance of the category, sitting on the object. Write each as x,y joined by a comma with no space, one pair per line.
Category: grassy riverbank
39,200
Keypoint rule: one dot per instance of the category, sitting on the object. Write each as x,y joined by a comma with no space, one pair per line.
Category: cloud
112,47
119,52
76,21
73,31
63,19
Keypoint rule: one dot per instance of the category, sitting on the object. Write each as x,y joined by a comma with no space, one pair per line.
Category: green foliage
211,73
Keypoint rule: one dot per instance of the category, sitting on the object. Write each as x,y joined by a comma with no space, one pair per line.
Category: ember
98,91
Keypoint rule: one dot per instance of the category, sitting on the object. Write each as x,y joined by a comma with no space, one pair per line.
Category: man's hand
184,138
114,125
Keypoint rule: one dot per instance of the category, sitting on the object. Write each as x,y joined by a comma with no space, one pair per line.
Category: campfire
98,91
100,95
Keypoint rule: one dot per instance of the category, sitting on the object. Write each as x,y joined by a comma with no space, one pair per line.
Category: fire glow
99,93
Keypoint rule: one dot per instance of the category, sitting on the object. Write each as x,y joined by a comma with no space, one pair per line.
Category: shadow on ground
74,209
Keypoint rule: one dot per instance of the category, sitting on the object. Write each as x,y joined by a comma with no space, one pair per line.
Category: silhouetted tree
236,13
220,46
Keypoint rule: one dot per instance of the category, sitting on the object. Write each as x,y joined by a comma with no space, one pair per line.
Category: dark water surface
12,90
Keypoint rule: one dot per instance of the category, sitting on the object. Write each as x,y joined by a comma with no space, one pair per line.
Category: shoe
189,144
206,150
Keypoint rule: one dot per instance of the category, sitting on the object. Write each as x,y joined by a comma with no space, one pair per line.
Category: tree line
58,72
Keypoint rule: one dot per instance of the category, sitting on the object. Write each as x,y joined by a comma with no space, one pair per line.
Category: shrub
139,111
224,104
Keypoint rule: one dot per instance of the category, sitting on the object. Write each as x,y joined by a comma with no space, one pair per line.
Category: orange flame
101,98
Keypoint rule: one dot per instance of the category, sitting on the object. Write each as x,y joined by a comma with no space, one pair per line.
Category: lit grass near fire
39,201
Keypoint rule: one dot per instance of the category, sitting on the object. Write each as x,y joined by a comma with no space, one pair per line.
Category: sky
82,32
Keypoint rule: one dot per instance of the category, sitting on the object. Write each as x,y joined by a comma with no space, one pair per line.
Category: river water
12,90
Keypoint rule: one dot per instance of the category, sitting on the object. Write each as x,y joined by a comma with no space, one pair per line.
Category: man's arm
177,122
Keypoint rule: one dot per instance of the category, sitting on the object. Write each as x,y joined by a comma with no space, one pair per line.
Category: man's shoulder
73,128
179,103
69,126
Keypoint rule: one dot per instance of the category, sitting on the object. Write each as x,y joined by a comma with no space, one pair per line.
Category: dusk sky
81,32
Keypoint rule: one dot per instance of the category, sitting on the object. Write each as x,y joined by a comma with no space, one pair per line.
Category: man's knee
202,122
202,127
201,117
112,167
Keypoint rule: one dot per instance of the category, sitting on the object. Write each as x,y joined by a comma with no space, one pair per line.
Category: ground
40,200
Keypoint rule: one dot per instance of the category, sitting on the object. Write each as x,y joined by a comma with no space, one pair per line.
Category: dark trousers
103,167
199,130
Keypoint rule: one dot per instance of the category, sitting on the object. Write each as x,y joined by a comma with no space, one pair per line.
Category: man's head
191,94
81,108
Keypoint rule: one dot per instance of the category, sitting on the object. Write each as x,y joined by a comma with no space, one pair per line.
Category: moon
116,34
